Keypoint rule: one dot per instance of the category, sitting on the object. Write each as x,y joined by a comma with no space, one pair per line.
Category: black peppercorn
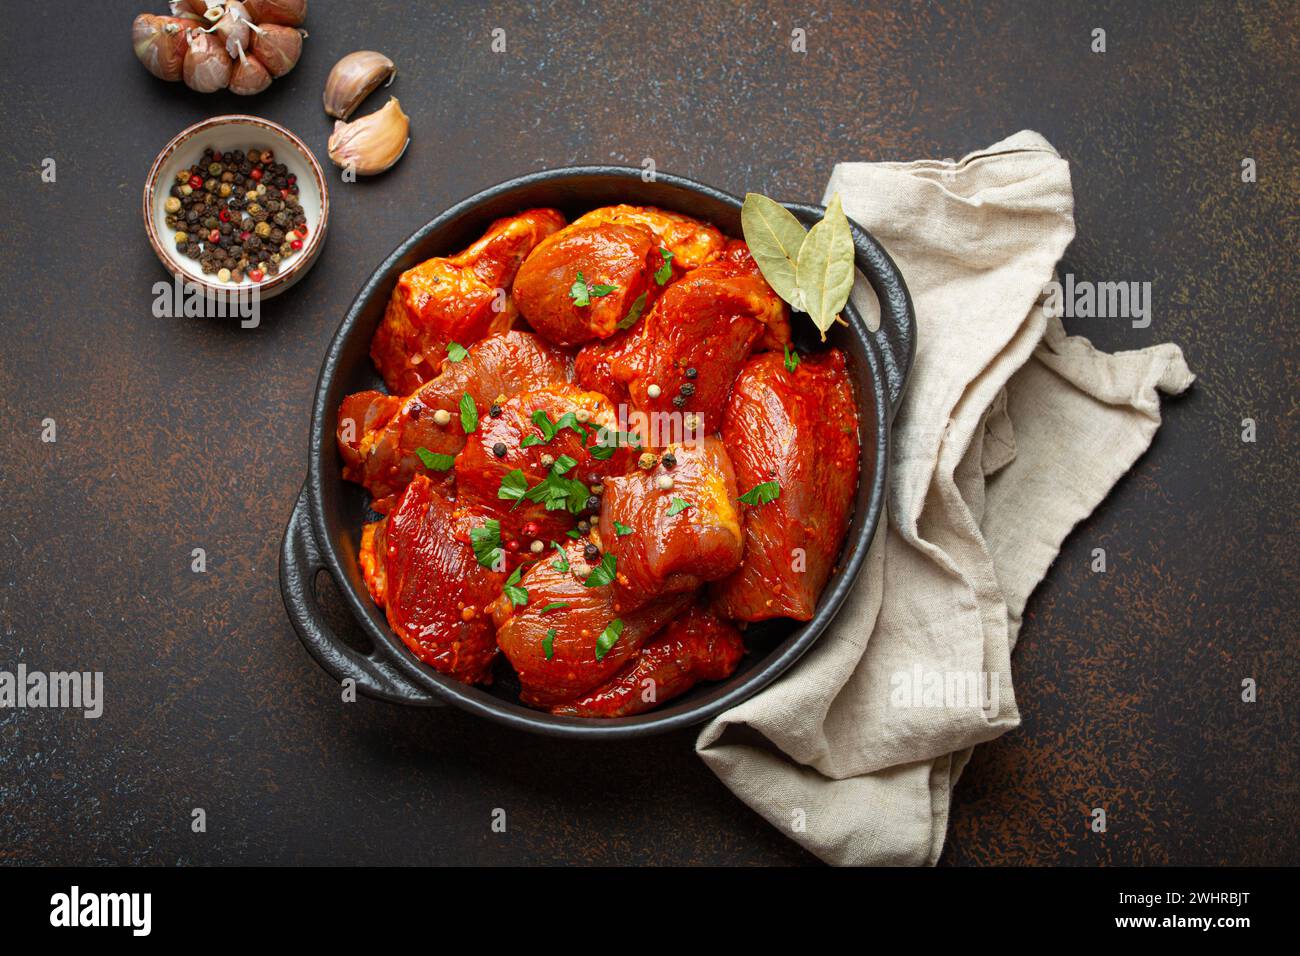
687,388
591,553
416,411
593,503
679,401
495,411
669,460
499,449
691,373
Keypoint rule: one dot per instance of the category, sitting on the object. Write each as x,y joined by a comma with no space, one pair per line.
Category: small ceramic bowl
224,133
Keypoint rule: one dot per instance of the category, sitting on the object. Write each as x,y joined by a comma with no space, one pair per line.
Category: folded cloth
1010,432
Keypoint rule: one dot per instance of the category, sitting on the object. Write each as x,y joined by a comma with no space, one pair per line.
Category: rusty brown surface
176,434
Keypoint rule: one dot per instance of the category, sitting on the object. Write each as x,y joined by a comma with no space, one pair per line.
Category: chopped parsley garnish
608,638
678,506
581,292
634,313
548,644
557,492
553,606
603,573
486,539
608,440
665,271
762,494
573,533
550,429
456,352
791,360
621,529
435,461
518,596
561,563
468,414
513,486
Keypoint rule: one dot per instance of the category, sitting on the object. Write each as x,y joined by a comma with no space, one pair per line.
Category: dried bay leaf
774,237
824,269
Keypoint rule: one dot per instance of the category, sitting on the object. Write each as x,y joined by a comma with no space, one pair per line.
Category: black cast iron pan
324,529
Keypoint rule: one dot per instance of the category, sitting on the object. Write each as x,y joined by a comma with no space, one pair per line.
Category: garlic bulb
372,143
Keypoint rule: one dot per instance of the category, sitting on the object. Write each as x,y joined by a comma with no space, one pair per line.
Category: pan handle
300,561
896,337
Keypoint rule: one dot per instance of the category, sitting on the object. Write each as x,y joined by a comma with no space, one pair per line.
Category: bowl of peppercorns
236,203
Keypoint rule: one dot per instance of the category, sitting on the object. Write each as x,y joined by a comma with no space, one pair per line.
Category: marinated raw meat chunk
796,434
669,540
697,647
691,242
378,435
458,298
572,635
420,564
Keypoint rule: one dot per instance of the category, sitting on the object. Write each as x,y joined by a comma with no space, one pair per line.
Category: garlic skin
159,43
207,67
288,13
372,143
354,78
278,48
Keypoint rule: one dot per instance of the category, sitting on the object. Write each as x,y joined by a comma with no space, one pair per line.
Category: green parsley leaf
560,564
665,271
518,596
603,573
435,461
468,414
575,534
553,606
456,352
562,464
621,529
581,292
513,486
634,313
557,492
486,540
608,441
791,360
678,506
548,644
761,494
608,638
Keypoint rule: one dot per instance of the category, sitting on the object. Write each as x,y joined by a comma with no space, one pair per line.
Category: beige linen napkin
1010,433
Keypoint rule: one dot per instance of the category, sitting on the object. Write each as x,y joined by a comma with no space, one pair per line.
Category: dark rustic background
176,434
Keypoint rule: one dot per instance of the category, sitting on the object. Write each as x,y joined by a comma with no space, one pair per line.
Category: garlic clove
249,75
233,28
289,13
159,43
278,48
207,67
373,143
354,78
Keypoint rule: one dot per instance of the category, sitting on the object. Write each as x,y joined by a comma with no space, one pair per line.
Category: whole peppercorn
593,504
647,461
691,373
591,553
499,449
584,526
495,411
679,401
172,204
669,460
687,388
